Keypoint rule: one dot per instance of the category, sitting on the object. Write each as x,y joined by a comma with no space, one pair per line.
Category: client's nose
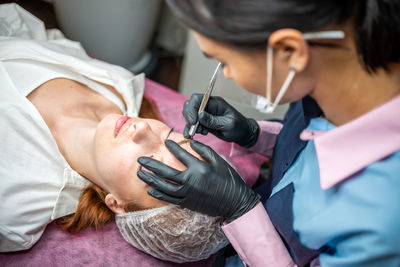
144,134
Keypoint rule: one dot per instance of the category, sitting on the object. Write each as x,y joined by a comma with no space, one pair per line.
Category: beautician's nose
227,73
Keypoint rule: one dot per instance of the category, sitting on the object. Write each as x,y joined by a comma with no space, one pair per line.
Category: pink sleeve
269,131
256,241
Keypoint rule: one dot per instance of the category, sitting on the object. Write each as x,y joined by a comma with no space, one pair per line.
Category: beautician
335,186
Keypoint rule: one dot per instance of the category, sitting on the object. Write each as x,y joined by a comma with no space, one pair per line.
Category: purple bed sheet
106,247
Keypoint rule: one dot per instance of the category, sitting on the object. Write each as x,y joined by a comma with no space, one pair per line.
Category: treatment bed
106,247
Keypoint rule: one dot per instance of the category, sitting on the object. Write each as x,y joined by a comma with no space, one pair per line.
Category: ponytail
377,32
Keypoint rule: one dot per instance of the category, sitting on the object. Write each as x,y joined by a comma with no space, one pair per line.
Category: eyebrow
169,133
206,55
183,141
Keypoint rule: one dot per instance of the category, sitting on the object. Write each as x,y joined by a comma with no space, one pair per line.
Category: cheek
171,161
278,77
115,163
227,72
296,93
249,77
140,196
148,202
104,142
129,187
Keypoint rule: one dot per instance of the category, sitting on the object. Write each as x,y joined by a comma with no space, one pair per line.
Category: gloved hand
221,119
211,187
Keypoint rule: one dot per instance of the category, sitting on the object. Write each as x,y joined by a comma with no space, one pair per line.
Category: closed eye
183,141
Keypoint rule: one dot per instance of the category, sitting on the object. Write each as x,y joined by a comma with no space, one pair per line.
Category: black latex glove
221,119
212,187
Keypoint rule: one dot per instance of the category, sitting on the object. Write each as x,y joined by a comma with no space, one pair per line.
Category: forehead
223,51
208,45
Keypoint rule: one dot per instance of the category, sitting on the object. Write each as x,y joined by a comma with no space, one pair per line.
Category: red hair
92,211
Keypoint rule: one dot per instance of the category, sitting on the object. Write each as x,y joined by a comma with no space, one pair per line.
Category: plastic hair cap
172,233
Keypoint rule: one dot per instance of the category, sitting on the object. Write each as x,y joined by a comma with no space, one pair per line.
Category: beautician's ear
290,45
114,204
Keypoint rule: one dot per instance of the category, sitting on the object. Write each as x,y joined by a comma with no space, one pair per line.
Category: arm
260,244
213,187
266,141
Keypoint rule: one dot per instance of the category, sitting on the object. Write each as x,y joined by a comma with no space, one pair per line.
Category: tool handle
206,97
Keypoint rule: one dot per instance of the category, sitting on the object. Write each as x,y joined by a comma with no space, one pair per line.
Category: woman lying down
69,153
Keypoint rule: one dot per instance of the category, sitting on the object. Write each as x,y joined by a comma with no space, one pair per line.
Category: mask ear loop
292,72
270,106
285,86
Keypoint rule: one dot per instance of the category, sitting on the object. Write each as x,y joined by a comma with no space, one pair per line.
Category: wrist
251,202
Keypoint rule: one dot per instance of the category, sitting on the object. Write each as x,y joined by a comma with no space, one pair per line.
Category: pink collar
345,150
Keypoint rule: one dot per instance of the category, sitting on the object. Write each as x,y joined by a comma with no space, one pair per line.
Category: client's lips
120,123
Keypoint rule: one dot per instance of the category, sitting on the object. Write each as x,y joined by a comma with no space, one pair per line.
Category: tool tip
188,138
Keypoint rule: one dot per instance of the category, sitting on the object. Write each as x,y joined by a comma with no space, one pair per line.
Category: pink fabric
348,149
255,239
269,131
106,247
87,248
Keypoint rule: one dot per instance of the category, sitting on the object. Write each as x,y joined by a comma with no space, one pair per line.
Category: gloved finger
186,131
160,184
189,113
217,105
214,122
164,197
195,100
182,155
191,108
205,151
160,169
200,129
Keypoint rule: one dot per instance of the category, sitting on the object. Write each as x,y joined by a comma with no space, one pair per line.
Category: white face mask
265,104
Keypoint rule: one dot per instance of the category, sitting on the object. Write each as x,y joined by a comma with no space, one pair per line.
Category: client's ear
114,204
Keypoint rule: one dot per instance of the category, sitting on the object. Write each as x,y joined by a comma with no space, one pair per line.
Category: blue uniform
336,205
356,222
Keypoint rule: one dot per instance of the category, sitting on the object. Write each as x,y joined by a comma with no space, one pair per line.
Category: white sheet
37,185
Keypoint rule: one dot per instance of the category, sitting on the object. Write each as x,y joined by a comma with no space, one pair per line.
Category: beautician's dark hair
248,23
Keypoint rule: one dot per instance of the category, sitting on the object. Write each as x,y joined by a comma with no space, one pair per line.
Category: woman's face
118,143
248,68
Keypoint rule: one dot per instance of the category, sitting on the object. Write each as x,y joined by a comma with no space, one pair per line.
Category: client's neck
72,112
76,143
